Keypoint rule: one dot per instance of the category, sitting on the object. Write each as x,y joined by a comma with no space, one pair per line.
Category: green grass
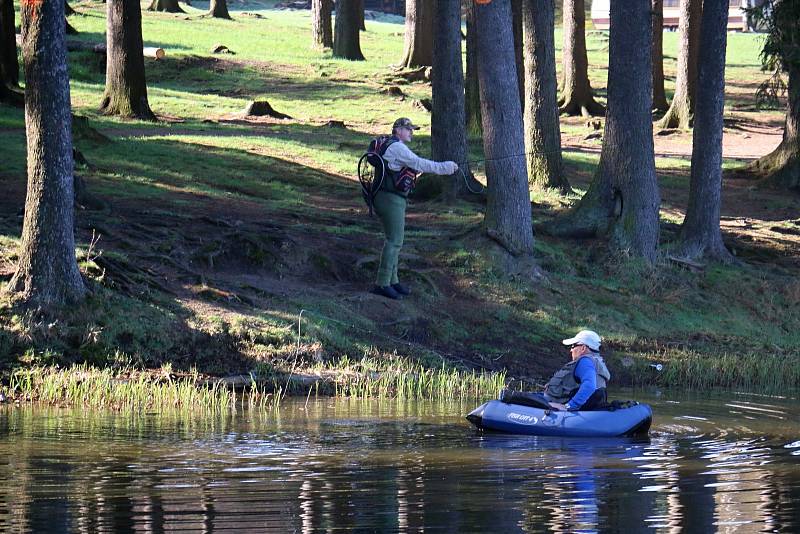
289,213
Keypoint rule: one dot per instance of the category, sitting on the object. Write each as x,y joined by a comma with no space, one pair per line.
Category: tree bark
519,48
472,87
659,96
418,47
170,6
9,65
346,39
126,89
362,24
218,9
448,128
508,210
576,91
700,232
781,167
630,157
47,271
542,128
679,114
623,198
322,30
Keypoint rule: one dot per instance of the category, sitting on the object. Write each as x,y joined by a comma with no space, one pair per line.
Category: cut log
261,108
74,45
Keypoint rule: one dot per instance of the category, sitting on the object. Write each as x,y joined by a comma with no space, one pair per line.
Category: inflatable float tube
631,420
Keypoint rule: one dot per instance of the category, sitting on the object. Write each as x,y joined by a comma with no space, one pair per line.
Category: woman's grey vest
563,385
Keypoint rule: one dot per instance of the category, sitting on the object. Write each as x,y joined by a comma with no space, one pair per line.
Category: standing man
390,202
580,383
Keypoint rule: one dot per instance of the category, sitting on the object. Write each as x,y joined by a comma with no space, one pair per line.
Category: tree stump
262,108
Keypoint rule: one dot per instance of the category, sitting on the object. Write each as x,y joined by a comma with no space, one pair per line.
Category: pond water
726,463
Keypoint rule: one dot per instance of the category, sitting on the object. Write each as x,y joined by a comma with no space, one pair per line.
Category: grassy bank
211,232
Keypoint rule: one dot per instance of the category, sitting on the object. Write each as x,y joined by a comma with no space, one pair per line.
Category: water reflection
710,465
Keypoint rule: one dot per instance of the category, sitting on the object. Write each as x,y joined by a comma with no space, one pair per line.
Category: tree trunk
471,87
346,40
448,128
47,271
170,6
519,47
322,31
126,88
679,114
418,48
508,210
218,9
781,167
659,96
576,91
700,232
623,198
630,158
542,128
9,66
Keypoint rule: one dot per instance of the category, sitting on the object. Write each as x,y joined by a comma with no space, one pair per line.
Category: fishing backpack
373,170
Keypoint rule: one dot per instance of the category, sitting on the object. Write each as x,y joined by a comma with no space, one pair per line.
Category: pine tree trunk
542,128
623,198
630,158
700,232
508,210
322,31
346,39
519,47
218,9
659,96
9,66
170,6
47,271
781,167
448,129
576,91
418,47
471,86
679,114
126,88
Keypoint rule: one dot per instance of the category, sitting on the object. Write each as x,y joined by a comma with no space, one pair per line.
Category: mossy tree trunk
471,85
576,91
9,65
508,209
218,9
448,128
170,6
630,159
47,270
418,44
700,232
321,30
346,38
623,198
679,114
542,128
126,88
659,96
781,167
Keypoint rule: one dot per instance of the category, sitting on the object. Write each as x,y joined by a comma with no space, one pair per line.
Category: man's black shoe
400,288
387,291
